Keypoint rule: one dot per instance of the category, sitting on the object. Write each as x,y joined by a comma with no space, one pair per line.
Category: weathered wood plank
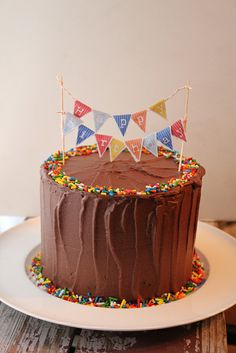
203,337
213,335
20,333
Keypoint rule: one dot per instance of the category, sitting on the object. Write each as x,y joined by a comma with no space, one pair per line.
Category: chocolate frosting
123,172
127,247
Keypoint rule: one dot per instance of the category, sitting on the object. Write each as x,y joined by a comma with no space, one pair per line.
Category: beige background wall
118,56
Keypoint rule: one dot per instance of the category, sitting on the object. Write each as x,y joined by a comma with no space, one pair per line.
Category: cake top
85,171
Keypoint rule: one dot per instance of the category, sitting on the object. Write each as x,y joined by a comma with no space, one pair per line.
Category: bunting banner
159,108
150,143
116,147
99,119
83,133
122,122
177,130
135,148
71,122
164,136
140,119
103,142
80,109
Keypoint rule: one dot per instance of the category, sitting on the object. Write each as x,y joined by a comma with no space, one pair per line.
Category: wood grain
207,336
20,333
213,335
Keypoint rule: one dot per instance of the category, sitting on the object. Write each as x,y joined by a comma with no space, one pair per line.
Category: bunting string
188,87
65,89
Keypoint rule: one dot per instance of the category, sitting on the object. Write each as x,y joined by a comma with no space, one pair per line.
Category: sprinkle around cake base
197,279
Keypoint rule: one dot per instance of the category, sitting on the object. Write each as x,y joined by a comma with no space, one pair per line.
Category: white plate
216,295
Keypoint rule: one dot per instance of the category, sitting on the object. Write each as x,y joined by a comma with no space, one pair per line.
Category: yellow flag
159,108
116,147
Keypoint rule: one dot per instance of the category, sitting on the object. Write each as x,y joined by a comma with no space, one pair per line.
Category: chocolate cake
120,228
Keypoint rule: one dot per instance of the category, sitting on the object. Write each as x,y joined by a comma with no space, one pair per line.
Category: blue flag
122,122
83,133
164,136
71,122
150,143
99,119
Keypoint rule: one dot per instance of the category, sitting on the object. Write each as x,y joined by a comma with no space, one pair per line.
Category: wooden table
21,333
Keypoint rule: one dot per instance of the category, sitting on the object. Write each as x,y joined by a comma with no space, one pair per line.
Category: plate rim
33,225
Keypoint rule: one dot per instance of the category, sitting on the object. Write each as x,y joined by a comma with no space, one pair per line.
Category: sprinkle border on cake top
54,166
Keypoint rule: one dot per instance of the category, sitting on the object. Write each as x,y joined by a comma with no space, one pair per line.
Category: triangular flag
99,119
81,109
122,122
71,122
102,141
164,136
150,143
83,133
135,148
140,119
159,108
116,147
177,129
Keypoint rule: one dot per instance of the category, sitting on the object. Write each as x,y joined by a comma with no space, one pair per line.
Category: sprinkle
197,279
123,303
54,167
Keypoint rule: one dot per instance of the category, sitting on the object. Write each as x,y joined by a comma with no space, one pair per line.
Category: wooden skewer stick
62,113
185,124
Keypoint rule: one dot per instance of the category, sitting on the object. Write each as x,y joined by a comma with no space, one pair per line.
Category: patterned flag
116,147
122,122
177,129
140,119
159,108
102,141
99,119
83,133
164,136
135,148
150,143
80,109
71,122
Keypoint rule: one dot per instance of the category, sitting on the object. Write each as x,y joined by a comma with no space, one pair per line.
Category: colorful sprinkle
54,166
196,280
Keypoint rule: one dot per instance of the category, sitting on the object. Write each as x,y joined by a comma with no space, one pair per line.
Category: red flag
103,141
177,129
80,109
140,119
135,148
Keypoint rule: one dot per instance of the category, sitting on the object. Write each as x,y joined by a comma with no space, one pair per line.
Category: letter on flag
102,141
164,136
140,119
71,122
177,129
159,108
135,148
116,147
99,119
150,143
83,133
122,122
80,109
